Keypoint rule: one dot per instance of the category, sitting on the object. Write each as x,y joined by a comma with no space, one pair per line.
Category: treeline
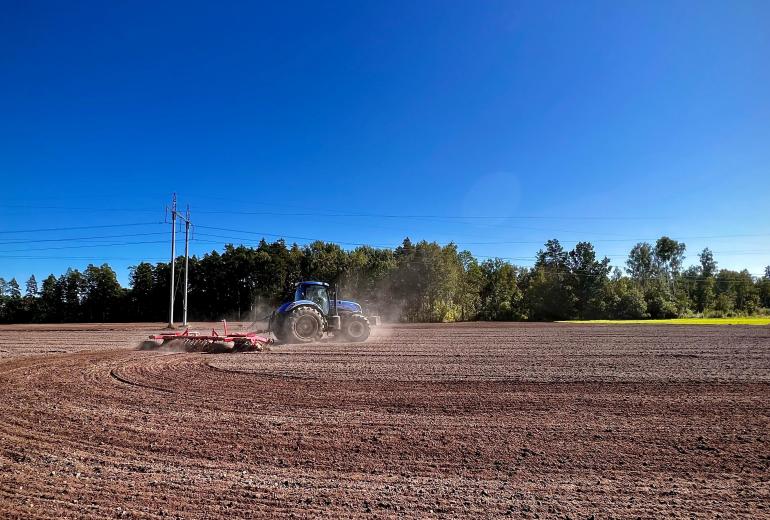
414,282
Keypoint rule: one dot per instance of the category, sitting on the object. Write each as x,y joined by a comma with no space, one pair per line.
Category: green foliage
421,281
724,305
641,263
471,283
706,290
668,256
425,283
624,300
51,300
13,290
549,294
739,288
141,301
101,293
324,261
661,303
763,289
588,278
500,296
31,287
708,265
647,263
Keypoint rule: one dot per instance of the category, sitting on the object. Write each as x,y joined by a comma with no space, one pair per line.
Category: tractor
315,310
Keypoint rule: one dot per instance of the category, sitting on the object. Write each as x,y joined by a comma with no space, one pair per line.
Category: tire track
116,375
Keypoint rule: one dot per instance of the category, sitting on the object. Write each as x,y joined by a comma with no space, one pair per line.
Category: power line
321,213
39,230
30,257
68,239
34,207
440,217
82,246
455,218
259,233
392,216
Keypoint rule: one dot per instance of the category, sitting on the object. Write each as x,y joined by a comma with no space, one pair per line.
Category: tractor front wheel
356,328
303,325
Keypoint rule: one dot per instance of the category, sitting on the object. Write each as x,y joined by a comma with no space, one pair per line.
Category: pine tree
32,289
13,289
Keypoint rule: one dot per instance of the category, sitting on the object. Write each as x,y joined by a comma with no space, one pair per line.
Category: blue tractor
315,310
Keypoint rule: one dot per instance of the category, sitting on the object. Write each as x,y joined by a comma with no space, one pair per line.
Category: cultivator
188,341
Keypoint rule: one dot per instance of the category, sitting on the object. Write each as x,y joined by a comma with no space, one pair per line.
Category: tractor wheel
303,325
277,326
356,328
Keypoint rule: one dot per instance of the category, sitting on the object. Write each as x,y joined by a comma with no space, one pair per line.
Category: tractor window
317,294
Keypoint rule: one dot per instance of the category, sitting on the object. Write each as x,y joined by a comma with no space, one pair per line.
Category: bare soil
424,421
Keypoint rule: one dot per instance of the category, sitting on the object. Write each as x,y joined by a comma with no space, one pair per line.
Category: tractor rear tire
303,325
278,328
356,328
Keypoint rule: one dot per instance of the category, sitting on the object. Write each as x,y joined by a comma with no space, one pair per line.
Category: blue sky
496,125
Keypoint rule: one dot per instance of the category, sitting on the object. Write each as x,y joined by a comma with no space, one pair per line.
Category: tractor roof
312,283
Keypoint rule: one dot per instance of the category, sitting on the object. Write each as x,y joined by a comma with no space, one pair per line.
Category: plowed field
474,420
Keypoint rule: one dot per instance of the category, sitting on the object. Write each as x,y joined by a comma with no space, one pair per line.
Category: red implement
214,342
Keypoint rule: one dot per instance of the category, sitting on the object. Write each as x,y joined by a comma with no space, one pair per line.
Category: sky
496,125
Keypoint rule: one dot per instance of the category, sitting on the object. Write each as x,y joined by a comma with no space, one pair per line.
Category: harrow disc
214,343
150,344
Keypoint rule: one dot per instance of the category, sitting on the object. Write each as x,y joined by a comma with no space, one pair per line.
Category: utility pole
186,263
173,261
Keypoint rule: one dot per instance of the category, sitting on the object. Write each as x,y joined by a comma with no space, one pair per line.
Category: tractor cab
316,292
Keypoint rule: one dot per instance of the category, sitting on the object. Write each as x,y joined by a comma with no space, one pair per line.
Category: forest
415,282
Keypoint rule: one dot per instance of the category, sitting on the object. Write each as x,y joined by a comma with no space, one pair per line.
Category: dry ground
474,420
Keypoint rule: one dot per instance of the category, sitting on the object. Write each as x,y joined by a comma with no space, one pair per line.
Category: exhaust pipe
334,321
